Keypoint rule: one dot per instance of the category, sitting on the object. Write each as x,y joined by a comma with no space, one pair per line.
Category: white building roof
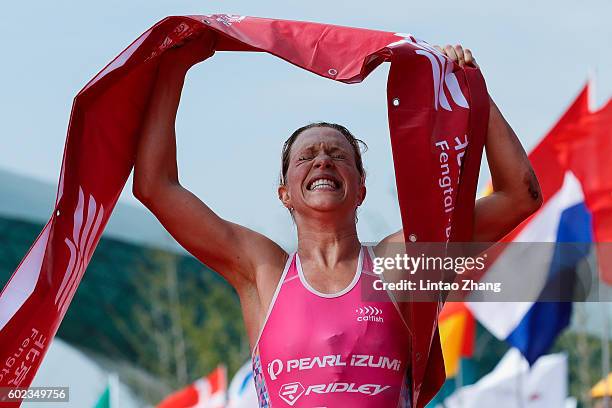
26,198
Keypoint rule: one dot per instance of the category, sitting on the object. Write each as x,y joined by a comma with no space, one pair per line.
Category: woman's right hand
189,52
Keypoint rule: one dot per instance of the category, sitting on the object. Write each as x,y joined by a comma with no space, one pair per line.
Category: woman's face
322,175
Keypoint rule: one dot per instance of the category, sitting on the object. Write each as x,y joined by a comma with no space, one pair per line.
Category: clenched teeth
322,184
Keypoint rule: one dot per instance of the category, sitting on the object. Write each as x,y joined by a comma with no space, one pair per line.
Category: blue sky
535,56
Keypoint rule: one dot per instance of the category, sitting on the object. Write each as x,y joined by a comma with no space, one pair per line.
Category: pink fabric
319,350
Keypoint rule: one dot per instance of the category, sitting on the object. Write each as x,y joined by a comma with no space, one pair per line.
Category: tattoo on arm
532,185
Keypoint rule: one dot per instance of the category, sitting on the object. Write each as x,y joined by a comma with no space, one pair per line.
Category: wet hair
355,143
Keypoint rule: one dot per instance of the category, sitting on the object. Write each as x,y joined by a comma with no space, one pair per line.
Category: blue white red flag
574,211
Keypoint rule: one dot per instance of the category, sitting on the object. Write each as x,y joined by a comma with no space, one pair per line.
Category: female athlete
311,346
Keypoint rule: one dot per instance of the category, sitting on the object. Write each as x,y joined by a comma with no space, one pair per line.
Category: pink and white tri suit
331,350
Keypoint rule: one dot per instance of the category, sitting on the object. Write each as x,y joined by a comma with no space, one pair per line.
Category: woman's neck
329,245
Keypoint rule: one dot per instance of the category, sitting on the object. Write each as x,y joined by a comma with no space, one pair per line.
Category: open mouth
323,184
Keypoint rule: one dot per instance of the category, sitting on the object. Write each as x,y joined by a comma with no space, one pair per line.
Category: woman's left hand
460,55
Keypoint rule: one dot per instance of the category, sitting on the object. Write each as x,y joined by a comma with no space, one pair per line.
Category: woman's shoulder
270,267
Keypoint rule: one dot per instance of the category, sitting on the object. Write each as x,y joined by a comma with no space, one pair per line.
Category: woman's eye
338,156
304,158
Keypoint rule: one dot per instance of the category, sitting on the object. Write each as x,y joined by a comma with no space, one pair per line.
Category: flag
564,217
585,150
242,392
602,388
437,112
104,400
457,333
109,397
206,392
514,384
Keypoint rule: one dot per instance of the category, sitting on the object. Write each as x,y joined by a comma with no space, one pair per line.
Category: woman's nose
323,161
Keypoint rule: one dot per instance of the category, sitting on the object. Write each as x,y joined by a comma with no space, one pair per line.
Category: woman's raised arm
516,192
230,249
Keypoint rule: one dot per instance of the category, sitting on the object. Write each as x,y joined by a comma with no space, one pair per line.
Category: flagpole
113,388
605,337
459,381
582,348
225,385
605,353
175,313
519,383
592,83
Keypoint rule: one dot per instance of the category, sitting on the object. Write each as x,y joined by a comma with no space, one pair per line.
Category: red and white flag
207,392
437,121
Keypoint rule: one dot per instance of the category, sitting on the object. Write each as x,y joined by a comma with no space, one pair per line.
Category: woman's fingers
449,50
196,40
460,55
469,58
191,49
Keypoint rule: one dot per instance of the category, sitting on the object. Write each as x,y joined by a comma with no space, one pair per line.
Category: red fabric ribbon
435,108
